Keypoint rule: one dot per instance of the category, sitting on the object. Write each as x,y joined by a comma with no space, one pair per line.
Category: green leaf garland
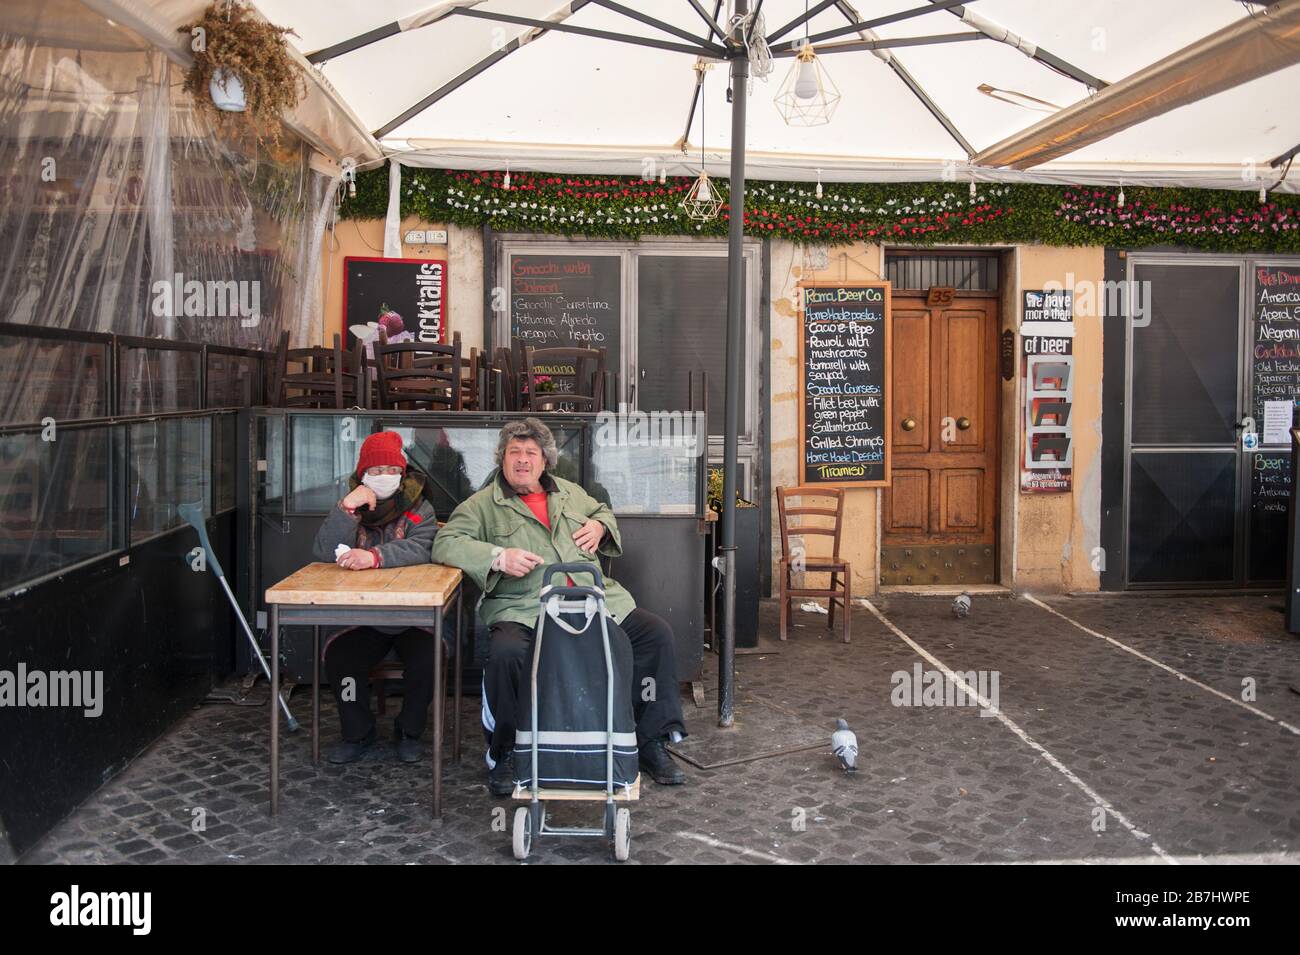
619,207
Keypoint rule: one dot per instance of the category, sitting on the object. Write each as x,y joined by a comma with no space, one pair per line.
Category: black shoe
349,751
409,749
656,761
501,777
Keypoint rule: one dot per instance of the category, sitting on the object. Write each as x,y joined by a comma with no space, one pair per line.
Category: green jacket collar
504,495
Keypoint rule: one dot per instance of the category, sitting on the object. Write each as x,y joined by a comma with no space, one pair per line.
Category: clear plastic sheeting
124,211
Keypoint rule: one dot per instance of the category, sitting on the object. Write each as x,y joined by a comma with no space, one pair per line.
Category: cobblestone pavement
1089,735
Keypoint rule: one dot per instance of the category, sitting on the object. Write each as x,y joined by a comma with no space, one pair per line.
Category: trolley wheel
523,832
622,834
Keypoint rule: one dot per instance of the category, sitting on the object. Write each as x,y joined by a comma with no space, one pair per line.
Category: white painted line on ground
972,693
1164,666
718,844
1223,858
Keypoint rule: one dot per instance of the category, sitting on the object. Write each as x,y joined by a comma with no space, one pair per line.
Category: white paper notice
1277,422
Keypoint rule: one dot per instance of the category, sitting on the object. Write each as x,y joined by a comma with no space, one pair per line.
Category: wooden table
328,595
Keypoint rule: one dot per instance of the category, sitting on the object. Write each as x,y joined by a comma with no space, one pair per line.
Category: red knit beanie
381,450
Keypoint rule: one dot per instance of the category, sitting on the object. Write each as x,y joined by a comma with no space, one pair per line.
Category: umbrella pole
735,368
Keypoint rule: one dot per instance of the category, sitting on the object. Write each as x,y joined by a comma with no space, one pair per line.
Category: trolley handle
577,567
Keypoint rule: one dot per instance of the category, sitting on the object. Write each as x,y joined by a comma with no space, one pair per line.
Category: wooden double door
939,514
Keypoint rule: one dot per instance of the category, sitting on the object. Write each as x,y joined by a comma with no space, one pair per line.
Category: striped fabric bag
573,702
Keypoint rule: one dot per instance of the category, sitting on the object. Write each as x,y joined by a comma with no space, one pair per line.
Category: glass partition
231,380
322,455
170,464
55,378
638,464
158,380
60,500
225,460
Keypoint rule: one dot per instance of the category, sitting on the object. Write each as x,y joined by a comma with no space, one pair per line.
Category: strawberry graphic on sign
392,324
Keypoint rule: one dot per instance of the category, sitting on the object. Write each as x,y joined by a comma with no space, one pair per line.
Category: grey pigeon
961,606
844,744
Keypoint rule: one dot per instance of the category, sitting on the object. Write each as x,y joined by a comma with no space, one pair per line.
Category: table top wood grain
420,585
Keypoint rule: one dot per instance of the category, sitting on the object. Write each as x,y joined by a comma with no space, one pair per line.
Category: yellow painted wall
791,264
463,252
1056,534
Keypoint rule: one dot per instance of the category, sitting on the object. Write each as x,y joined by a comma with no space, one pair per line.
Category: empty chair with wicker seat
816,519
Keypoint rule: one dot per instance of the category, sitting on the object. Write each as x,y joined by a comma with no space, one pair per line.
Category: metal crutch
193,515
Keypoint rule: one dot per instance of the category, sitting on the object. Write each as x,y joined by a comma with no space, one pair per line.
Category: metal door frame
1240,525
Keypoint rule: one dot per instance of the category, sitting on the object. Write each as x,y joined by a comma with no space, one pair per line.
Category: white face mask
384,485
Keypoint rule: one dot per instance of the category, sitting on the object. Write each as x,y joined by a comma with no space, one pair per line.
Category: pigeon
961,606
845,746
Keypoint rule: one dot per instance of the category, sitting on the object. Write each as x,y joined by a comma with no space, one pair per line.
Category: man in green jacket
501,537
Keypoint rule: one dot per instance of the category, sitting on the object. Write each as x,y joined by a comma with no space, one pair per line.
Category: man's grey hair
524,430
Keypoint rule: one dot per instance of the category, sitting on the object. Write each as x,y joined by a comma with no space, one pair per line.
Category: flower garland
918,213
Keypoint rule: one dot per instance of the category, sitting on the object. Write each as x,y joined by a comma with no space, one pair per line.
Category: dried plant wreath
232,36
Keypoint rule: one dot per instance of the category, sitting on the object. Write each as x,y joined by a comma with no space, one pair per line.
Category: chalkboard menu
409,296
1270,500
572,301
1275,373
843,384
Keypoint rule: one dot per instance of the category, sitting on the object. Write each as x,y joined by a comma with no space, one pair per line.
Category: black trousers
354,654
509,663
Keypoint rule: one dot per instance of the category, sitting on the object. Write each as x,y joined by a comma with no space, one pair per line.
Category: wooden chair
326,377
512,393
471,385
588,378
418,375
798,560
275,369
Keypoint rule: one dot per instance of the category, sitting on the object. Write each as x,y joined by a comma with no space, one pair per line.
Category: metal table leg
275,708
440,701
315,696
460,675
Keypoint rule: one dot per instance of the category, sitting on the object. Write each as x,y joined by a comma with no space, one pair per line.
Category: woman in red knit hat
383,521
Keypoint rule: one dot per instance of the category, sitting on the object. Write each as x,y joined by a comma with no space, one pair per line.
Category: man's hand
357,559
361,497
517,562
589,535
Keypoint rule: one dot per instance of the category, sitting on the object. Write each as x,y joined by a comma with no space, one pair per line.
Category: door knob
908,424
963,423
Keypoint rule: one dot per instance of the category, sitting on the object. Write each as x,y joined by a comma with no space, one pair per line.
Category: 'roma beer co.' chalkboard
843,376
571,301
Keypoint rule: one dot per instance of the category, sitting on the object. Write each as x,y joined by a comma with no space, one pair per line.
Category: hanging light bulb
806,86
1263,195
505,180
807,97
663,175
1120,197
819,183
973,188
702,202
